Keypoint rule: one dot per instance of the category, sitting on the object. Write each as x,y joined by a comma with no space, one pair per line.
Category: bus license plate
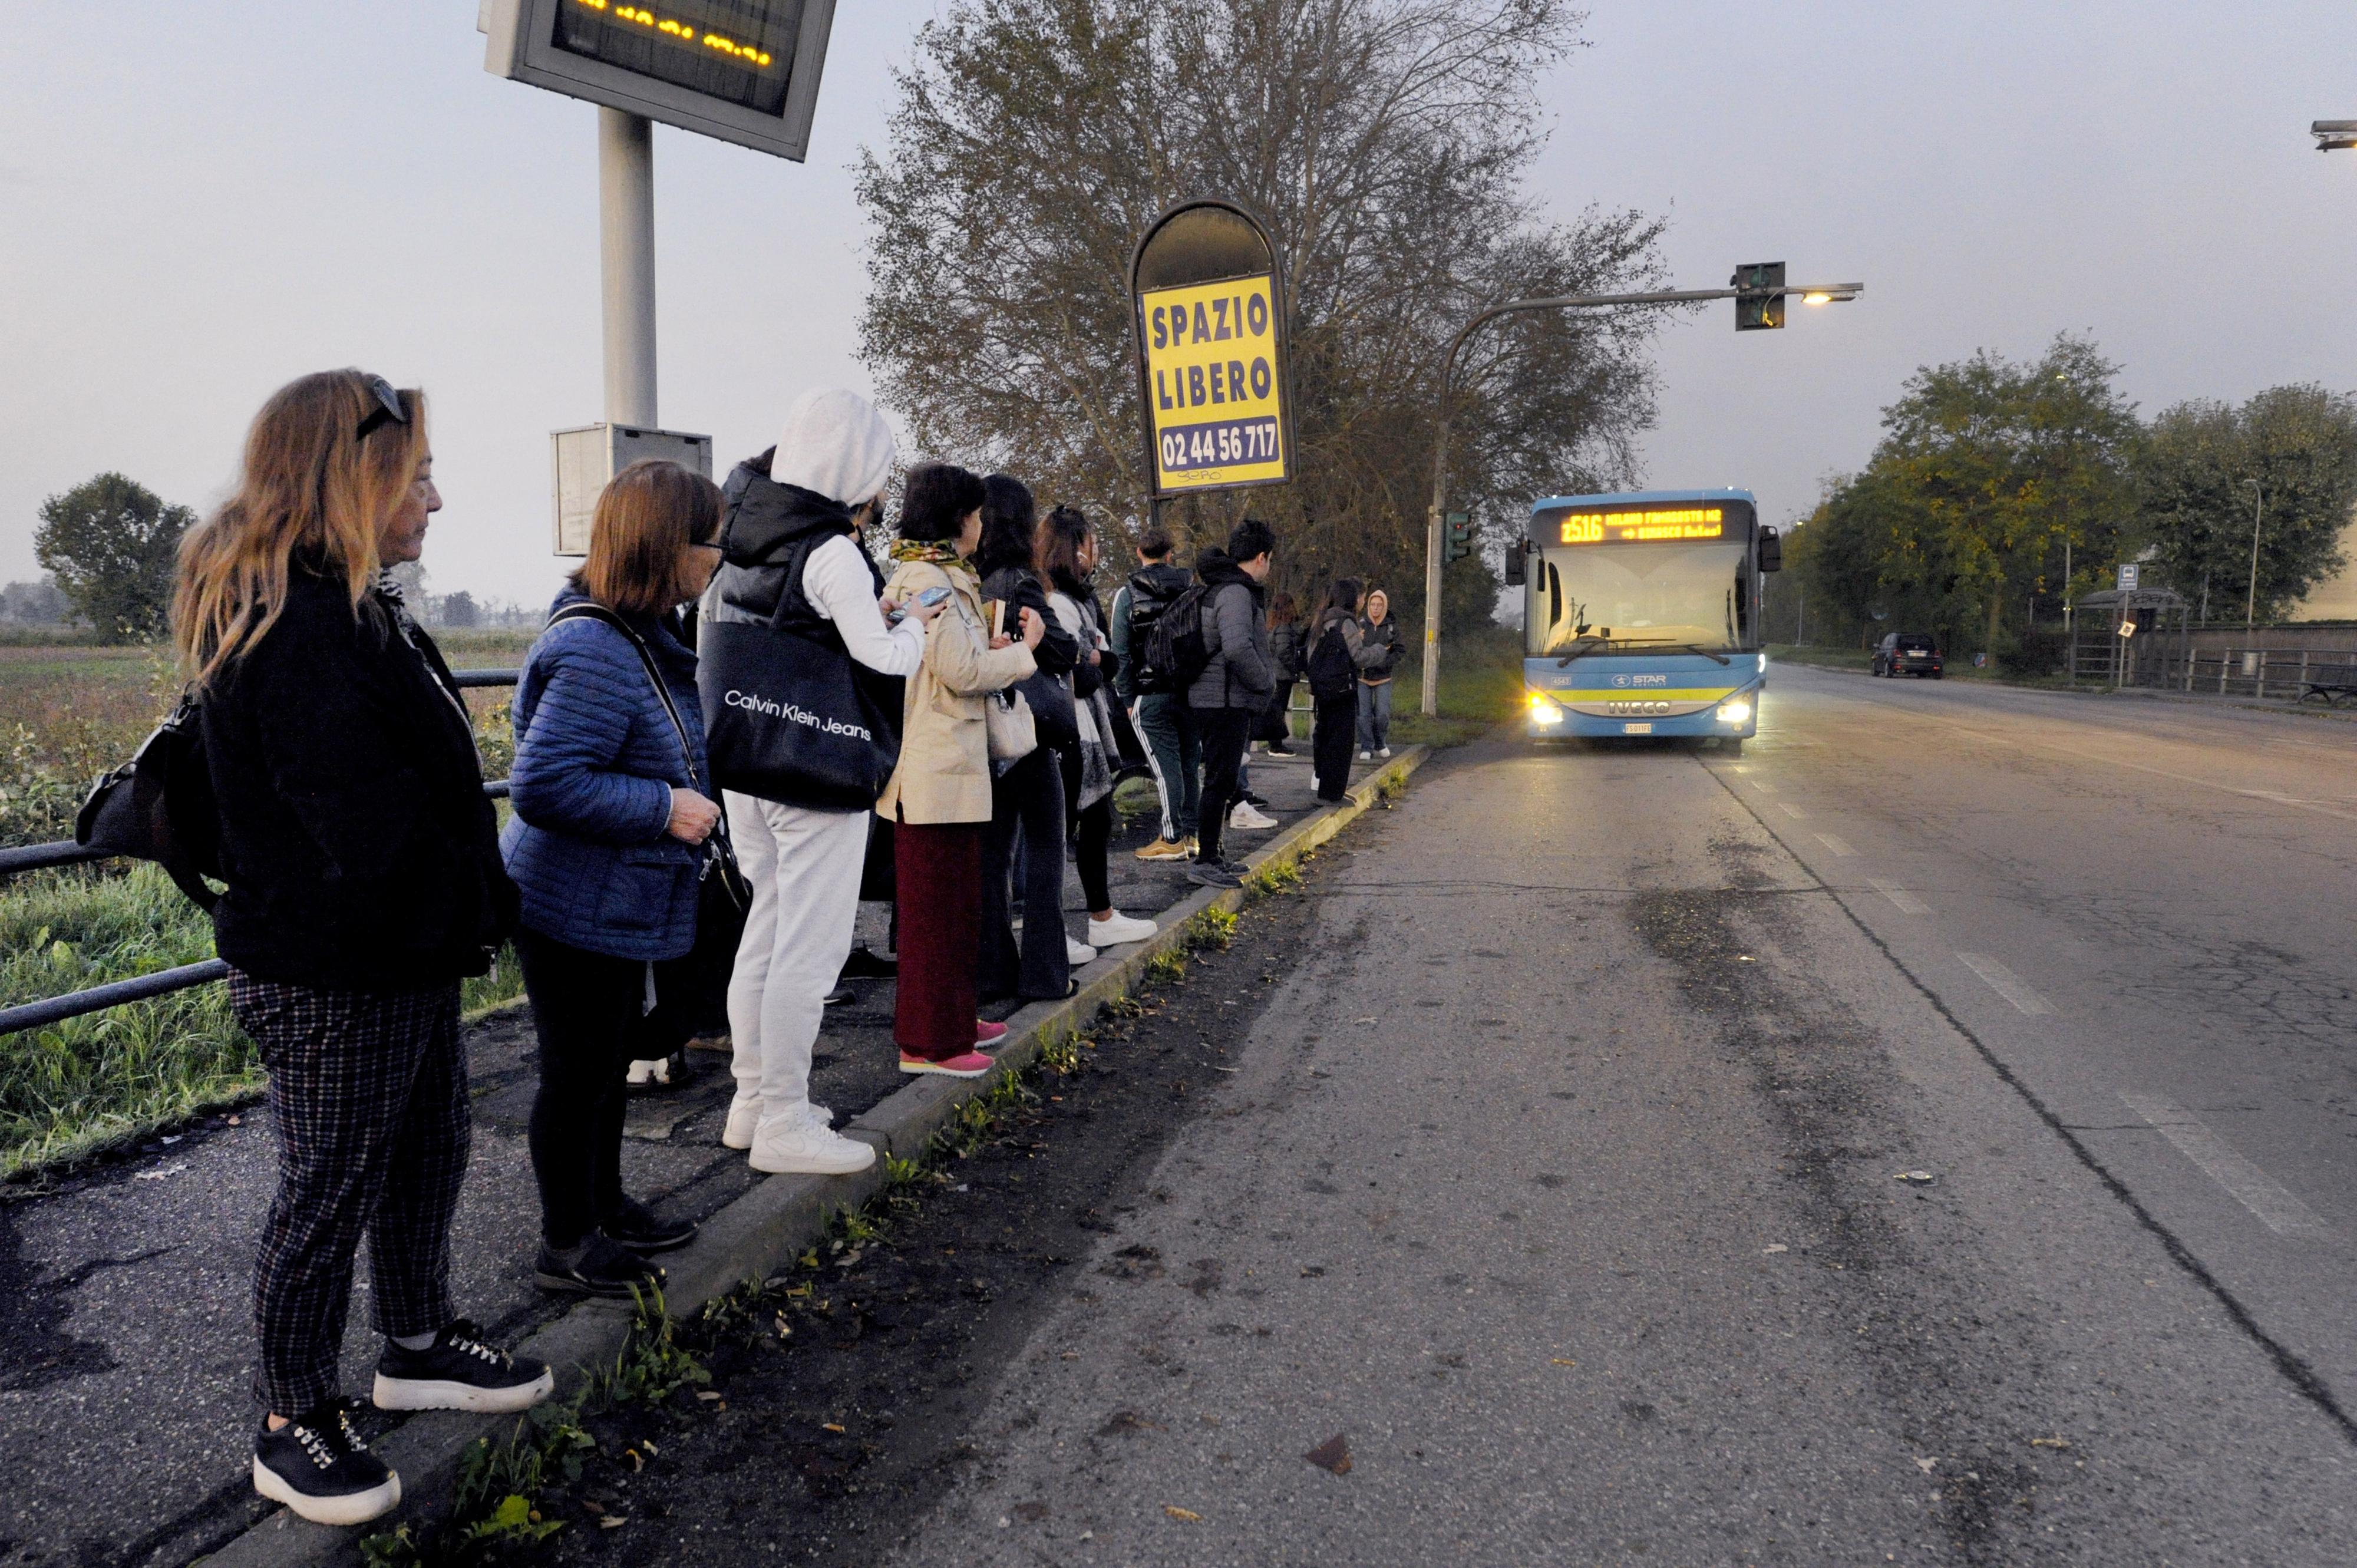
1636,729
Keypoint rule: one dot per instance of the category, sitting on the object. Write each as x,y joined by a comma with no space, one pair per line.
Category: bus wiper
1699,648
1580,645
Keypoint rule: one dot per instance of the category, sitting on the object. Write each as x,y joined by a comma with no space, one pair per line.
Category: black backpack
1331,673
1175,652
159,806
1144,614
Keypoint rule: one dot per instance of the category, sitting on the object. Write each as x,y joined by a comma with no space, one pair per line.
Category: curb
754,1235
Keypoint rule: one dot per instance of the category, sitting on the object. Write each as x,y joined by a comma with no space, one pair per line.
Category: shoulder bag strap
655,677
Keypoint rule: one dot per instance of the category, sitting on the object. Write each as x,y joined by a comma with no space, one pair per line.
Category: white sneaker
744,1121
1117,928
641,1074
1366,756
1248,816
1077,953
808,1149
1382,751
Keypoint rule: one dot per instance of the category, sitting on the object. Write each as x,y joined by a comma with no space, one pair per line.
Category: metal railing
2282,673
163,982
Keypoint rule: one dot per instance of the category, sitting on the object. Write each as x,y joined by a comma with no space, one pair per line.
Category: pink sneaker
988,1034
973,1064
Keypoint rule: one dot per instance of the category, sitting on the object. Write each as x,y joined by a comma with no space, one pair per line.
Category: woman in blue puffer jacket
607,847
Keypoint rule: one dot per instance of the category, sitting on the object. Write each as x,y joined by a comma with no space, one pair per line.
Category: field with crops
68,712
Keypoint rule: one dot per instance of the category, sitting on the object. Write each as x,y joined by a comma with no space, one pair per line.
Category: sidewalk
125,1342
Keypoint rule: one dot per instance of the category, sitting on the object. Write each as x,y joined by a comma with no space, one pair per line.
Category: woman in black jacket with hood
1338,654
1027,797
364,883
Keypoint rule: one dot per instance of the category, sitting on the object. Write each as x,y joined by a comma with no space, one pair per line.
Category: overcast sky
201,202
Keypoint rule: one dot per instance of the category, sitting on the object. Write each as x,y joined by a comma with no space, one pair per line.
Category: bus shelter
2133,637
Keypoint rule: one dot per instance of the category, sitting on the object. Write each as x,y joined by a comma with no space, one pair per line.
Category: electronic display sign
1214,402
741,70
1642,527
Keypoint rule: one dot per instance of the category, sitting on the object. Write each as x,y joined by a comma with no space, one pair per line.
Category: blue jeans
1374,716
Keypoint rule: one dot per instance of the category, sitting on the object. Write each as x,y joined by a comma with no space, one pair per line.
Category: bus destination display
1641,527
739,51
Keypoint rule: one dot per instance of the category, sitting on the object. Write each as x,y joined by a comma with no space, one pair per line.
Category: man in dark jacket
1235,684
1160,713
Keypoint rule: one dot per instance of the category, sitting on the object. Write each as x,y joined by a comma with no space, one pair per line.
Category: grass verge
1480,688
90,1084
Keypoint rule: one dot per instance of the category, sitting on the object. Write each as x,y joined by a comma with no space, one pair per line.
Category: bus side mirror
1515,561
1771,551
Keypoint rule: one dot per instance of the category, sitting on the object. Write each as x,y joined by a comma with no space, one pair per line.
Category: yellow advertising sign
1212,391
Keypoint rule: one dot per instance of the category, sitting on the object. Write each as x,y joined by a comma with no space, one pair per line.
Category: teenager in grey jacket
1234,685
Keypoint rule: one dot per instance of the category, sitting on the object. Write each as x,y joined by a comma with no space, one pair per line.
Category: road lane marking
1794,812
2056,748
1908,902
1837,845
1762,786
2255,1190
2007,983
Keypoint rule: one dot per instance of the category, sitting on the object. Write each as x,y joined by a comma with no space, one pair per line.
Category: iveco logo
1636,707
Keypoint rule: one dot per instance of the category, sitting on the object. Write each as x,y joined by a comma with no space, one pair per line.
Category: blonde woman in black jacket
364,882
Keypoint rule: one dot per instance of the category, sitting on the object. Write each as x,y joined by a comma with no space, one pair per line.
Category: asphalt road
1562,1188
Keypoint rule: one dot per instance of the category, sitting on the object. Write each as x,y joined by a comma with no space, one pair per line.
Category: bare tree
1385,143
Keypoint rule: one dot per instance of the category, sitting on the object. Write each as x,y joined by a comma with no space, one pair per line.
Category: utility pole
2251,598
625,254
1812,294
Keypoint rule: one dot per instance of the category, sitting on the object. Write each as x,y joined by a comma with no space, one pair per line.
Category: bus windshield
1636,595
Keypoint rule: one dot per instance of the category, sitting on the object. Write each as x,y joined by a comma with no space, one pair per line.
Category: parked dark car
1908,653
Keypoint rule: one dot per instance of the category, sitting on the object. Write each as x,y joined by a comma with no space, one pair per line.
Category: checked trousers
367,1097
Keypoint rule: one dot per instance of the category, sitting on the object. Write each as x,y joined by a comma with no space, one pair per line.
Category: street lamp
2334,136
1811,294
2258,511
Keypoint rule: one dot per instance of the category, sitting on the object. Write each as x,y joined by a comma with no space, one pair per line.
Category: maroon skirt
938,868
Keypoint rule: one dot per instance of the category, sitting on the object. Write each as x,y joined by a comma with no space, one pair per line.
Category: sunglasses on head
388,409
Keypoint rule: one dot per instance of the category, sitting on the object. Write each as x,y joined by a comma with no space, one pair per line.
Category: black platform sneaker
460,1370
318,1467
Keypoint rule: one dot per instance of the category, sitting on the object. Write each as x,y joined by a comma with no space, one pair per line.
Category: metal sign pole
626,243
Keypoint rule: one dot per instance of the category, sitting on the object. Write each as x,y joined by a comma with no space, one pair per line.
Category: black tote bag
789,717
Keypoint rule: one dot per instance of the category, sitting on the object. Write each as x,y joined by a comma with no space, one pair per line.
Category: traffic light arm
1433,518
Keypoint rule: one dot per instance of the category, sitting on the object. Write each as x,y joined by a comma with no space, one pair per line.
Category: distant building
2335,598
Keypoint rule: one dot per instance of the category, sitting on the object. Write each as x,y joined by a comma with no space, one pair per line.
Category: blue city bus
1640,615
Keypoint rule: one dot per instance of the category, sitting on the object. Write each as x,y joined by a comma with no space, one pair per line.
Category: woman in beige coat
938,796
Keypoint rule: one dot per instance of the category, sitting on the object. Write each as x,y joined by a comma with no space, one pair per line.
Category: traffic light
1457,536
1757,311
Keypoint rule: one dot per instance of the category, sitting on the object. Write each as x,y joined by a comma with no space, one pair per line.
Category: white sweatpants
804,867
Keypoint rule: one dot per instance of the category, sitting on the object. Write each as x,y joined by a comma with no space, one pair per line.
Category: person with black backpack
1214,637
1339,652
1157,707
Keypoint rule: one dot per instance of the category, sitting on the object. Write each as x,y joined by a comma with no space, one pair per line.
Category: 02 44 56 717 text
1221,443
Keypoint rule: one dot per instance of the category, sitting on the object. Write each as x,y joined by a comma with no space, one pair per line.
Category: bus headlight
1544,711
1735,710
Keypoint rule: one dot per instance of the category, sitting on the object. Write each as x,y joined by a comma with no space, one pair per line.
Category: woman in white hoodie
791,549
